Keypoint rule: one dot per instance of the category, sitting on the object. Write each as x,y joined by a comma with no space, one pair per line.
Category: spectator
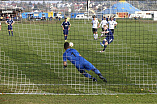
1,18
0,26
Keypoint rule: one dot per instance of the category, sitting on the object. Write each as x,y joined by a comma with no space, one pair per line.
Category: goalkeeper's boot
101,44
94,79
101,77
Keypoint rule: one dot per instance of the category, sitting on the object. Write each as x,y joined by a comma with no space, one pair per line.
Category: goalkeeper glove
65,66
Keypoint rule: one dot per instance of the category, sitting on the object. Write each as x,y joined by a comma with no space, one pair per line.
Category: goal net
31,59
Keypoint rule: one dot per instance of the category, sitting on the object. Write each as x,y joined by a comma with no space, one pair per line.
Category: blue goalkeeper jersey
110,34
66,24
73,56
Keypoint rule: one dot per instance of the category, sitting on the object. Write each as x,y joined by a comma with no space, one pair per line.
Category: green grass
78,99
35,50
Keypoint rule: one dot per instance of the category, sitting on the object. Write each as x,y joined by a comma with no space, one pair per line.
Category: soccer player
112,24
109,37
95,25
66,27
10,23
79,62
103,22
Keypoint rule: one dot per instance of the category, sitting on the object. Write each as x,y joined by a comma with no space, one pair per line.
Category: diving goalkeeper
79,62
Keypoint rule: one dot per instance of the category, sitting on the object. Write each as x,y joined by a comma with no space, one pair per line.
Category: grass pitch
83,99
32,58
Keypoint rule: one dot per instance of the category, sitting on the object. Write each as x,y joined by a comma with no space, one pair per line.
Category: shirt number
73,54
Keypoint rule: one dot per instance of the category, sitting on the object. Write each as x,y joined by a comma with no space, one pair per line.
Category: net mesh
31,61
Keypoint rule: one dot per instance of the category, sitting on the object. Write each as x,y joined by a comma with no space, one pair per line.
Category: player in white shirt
95,25
103,22
112,24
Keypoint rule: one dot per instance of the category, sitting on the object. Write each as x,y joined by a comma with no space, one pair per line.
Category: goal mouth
31,56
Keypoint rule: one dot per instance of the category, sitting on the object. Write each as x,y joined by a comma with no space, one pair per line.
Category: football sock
99,74
104,47
103,42
87,75
96,36
96,71
65,37
12,33
9,32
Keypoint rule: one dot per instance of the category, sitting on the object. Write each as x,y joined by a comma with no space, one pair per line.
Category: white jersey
112,24
103,22
95,23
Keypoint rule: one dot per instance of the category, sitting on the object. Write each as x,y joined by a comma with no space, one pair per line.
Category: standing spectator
17,18
7,17
1,18
0,25
51,18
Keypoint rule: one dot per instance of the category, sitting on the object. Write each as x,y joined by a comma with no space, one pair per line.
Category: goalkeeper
80,63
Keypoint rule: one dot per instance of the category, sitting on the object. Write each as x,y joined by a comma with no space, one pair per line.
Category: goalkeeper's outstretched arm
65,64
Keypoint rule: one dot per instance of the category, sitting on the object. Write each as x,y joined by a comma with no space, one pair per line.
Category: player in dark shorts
66,27
10,23
109,37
